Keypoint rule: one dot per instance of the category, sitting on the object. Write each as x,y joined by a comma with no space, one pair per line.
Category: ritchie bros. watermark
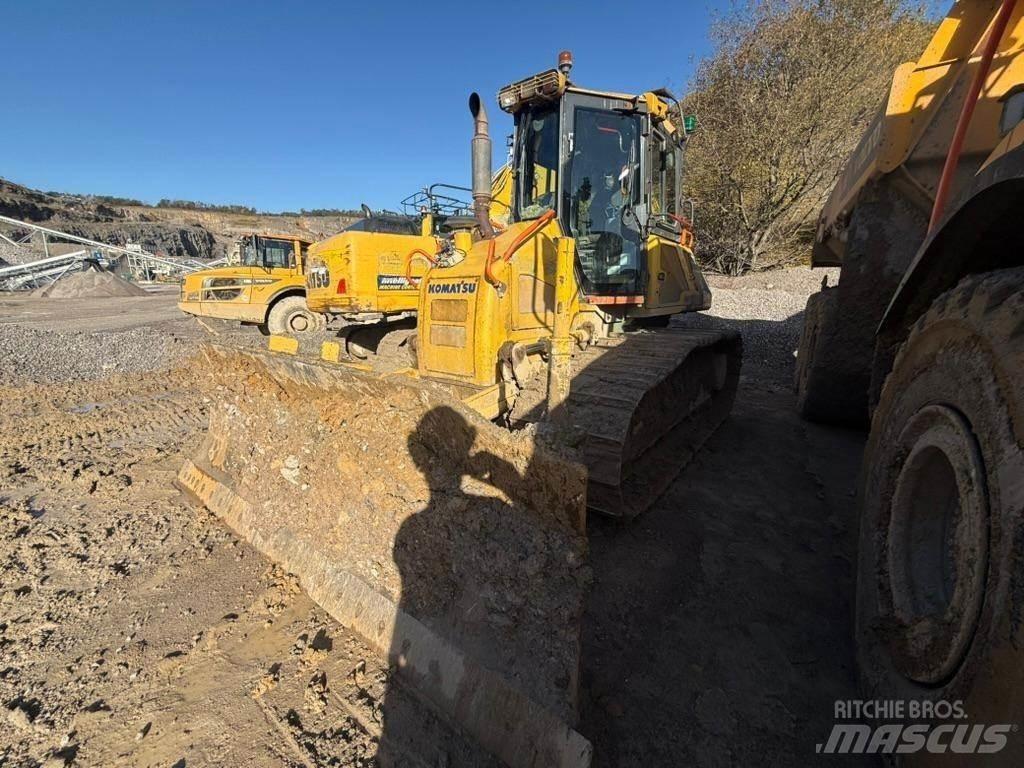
907,726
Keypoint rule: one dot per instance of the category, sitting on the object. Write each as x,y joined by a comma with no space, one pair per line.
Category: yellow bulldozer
438,509
922,338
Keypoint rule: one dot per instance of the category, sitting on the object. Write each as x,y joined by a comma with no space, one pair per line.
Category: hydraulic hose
408,263
967,111
518,243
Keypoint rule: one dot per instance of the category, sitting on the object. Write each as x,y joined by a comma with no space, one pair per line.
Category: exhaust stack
481,166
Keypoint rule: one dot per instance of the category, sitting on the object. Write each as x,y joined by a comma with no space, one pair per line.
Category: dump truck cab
262,270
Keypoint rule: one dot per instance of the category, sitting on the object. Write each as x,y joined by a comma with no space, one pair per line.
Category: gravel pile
33,355
767,308
800,280
89,283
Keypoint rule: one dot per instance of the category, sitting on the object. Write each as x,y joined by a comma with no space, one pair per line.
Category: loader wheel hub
299,323
937,546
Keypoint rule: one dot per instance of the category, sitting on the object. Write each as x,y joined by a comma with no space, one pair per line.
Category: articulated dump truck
439,509
923,337
262,284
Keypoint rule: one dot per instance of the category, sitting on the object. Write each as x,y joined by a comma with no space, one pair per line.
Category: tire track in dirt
136,629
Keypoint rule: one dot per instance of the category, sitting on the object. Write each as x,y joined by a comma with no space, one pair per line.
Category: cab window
277,253
250,258
538,165
601,199
664,176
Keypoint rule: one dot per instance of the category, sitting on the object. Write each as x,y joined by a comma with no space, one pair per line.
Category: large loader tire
831,374
291,317
811,372
834,378
940,588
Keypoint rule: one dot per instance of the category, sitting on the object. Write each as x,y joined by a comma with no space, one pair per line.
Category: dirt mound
91,282
413,524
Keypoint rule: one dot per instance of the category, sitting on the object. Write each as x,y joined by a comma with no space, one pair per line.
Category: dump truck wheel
940,592
291,317
819,379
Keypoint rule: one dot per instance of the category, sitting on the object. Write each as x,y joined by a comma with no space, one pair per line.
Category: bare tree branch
782,101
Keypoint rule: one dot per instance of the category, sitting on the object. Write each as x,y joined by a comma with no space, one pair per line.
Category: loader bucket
453,548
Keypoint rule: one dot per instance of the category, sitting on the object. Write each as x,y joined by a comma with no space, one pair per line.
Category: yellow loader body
358,273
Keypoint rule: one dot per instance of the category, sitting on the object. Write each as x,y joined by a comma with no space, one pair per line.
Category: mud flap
455,549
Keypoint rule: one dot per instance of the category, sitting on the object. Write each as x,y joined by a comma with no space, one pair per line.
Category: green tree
782,101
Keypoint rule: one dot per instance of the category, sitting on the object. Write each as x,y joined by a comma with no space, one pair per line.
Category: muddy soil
138,630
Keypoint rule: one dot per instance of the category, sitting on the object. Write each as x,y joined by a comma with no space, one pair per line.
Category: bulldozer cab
609,165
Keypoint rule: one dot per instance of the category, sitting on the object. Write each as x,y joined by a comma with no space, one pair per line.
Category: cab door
673,280
278,261
601,204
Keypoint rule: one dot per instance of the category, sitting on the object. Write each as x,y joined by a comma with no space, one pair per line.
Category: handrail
518,243
489,266
527,234
408,263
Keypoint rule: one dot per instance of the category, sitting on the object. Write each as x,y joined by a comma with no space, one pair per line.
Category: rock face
95,220
25,204
170,232
190,241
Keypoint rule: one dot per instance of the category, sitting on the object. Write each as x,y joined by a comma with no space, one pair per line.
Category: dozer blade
645,405
454,548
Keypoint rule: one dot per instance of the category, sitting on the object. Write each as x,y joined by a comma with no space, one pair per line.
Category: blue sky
287,105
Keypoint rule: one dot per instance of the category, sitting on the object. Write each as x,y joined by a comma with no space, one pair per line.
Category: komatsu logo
460,287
